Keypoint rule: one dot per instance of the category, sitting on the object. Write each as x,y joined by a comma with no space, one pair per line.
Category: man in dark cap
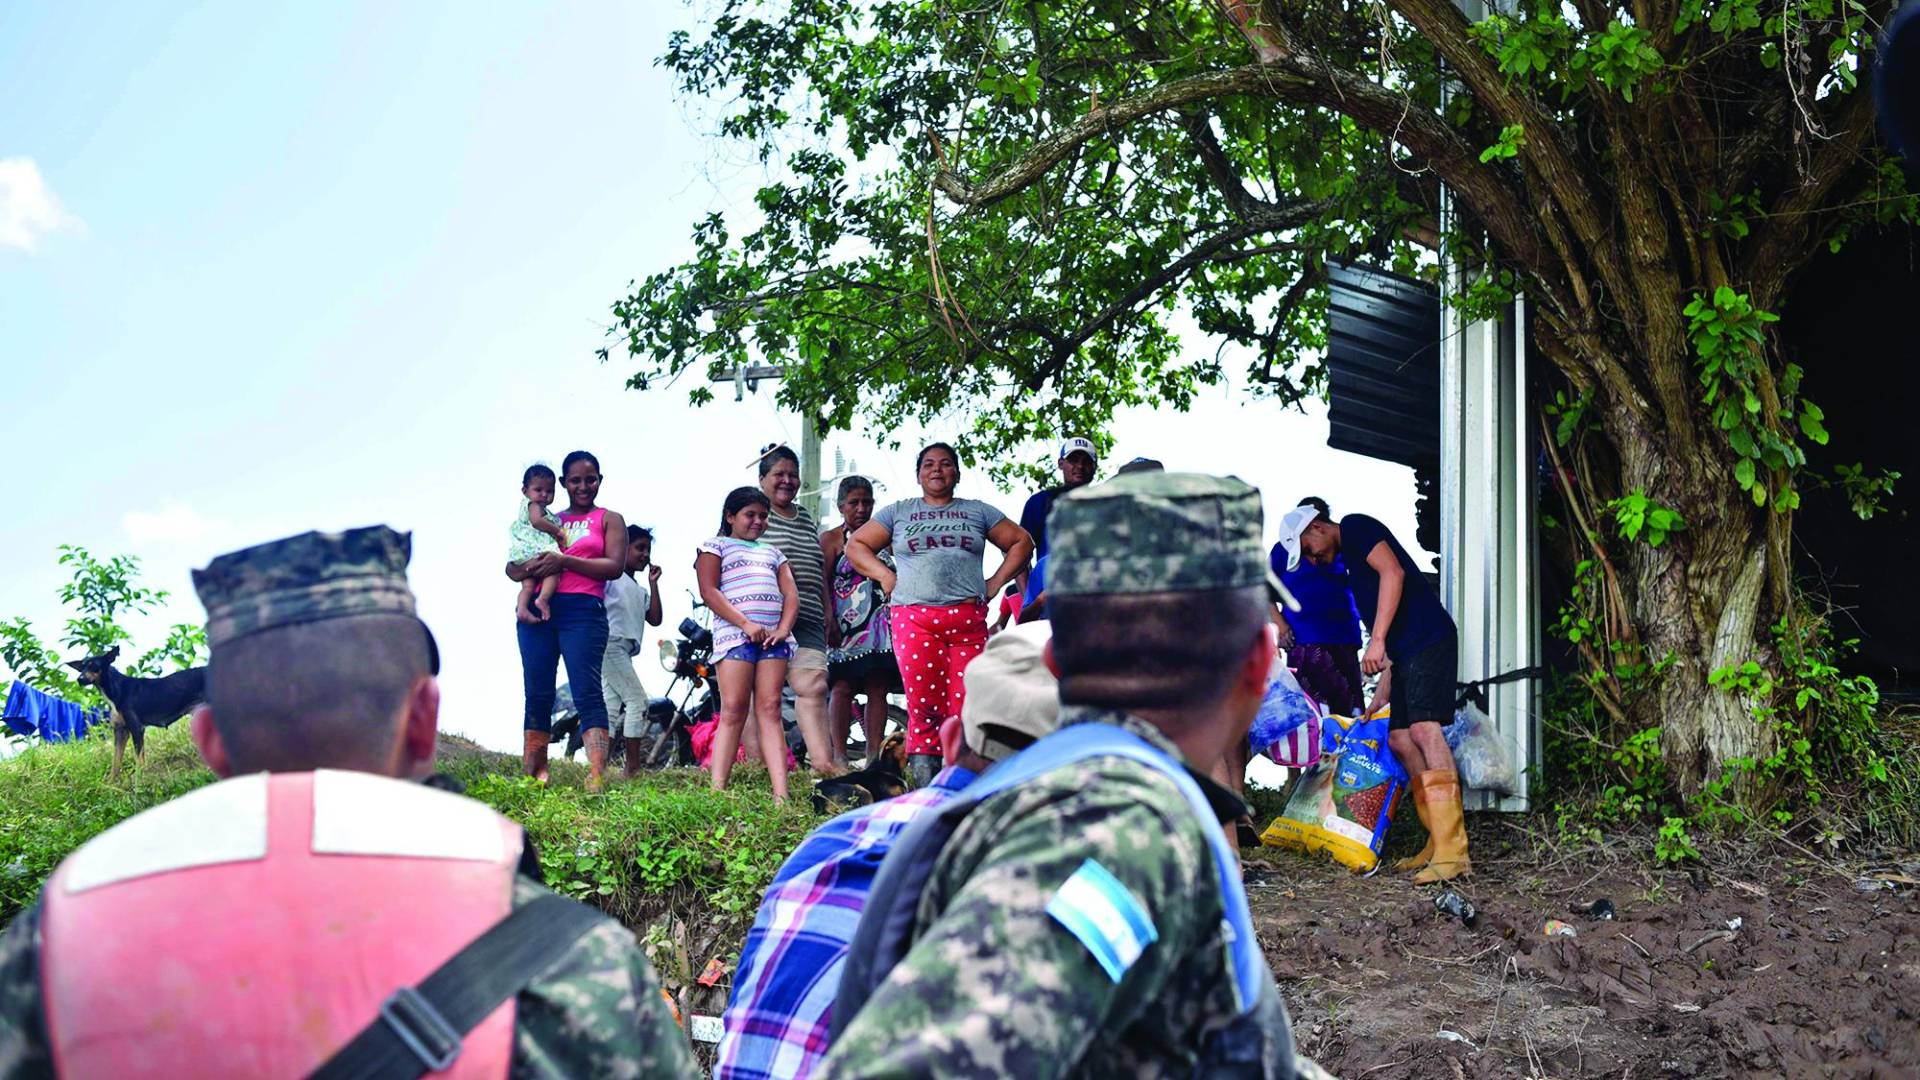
313,910
1085,916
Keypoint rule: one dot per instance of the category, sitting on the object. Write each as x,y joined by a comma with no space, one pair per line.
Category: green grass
660,845
57,797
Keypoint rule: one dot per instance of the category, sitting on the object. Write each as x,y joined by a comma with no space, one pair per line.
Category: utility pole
746,379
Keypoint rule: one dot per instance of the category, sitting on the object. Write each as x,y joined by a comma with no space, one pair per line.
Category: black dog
884,779
139,704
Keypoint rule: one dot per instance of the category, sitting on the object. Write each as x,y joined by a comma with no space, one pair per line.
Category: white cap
1292,525
1078,445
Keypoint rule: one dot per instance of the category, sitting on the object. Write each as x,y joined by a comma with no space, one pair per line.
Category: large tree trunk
1700,600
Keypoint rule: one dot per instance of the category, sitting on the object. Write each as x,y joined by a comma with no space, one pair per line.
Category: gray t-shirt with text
939,550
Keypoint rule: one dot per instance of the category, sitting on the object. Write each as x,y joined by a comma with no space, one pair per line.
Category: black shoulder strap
1475,692
420,1029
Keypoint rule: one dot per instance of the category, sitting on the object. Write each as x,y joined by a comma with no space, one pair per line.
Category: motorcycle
670,724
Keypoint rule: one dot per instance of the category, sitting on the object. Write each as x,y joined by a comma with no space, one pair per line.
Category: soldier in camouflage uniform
1160,594
319,662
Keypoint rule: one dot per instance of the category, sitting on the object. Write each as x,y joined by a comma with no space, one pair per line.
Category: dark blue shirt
1420,621
1327,615
1033,518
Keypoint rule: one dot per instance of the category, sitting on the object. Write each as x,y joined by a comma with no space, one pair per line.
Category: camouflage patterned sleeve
597,1012
23,1046
996,986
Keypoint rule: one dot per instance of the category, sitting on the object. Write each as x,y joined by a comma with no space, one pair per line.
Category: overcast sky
265,269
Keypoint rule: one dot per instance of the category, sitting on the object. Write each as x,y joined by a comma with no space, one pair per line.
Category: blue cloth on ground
31,712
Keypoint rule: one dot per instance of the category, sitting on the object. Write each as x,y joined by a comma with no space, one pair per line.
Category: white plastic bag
1479,752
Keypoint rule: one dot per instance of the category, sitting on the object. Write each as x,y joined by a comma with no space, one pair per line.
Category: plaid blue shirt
777,1022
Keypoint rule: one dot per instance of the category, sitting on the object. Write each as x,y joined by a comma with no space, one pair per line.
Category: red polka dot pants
934,645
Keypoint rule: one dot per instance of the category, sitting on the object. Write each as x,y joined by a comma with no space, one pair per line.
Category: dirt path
1821,978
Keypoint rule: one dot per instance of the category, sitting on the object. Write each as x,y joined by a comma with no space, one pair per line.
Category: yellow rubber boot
1416,792
1449,833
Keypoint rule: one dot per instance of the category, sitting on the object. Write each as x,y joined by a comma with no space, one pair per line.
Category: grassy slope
683,865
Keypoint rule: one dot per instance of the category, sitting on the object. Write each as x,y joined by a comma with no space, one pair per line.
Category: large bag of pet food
1287,728
1342,805
1479,752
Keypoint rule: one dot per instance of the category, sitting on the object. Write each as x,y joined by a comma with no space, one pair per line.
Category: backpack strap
884,934
420,1029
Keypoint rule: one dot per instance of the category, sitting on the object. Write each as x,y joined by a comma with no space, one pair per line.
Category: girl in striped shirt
749,587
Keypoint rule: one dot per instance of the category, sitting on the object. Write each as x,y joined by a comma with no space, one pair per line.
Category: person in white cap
1077,462
1406,625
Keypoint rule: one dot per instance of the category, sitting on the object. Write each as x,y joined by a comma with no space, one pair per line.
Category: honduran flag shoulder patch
1105,915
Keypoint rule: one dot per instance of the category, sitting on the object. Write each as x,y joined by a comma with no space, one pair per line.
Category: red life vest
253,927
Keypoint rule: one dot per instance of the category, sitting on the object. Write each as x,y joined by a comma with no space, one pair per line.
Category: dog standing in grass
139,704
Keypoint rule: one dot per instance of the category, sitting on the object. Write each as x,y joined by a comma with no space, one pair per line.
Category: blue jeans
753,654
578,633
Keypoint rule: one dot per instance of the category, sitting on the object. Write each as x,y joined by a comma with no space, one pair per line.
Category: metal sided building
1408,382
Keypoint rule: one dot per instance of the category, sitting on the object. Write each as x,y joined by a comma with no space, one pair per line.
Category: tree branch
1065,345
1500,208
1546,147
1789,231
1214,158
1269,342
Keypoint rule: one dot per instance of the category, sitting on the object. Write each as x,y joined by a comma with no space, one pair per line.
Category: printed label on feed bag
1338,825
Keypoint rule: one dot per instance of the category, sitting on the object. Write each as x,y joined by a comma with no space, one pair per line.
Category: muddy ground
1821,977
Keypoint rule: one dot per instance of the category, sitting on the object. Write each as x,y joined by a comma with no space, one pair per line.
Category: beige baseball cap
1011,691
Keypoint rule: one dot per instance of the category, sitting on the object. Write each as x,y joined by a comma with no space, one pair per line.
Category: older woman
791,528
577,631
938,597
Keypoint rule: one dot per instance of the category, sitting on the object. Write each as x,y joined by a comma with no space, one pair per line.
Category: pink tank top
586,539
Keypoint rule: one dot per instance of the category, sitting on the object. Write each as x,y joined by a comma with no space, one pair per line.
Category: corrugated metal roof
1383,365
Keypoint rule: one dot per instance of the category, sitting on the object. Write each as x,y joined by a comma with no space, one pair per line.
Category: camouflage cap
307,578
1148,532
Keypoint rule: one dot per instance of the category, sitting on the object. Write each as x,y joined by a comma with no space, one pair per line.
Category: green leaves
1727,217
1512,138
1810,426
1866,494
1485,296
1674,844
1568,414
890,301
1729,338
1022,87
1528,45
1637,515
101,593
1621,57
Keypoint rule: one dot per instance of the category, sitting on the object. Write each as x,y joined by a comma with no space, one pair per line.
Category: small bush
1843,769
